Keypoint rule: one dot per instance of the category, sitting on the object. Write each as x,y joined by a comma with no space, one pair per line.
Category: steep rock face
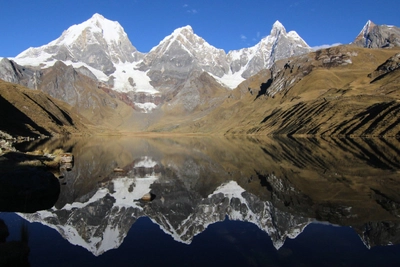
14,73
199,90
378,36
68,84
174,58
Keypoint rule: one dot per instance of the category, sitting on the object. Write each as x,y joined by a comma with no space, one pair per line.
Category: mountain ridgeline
185,85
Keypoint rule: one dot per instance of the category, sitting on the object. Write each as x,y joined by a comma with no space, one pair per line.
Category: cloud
318,47
243,37
190,10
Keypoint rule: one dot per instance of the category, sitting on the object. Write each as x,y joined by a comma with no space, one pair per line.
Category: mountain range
103,47
180,83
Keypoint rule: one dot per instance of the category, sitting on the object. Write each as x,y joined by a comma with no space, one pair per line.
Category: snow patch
146,107
140,81
230,189
146,162
231,80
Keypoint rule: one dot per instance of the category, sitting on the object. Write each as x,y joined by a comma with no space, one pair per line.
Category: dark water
217,202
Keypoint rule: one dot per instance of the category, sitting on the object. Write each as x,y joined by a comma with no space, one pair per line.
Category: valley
185,85
278,151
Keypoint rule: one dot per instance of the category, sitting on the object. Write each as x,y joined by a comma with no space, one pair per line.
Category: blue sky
228,25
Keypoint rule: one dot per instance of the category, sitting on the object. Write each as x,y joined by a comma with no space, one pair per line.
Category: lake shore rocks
27,180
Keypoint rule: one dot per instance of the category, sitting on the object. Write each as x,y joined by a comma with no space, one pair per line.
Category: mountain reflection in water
279,185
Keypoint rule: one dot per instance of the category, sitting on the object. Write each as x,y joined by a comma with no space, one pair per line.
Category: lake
216,201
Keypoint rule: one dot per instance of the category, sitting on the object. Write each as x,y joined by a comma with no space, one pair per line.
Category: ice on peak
183,30
111,31
174,35
187,39
294,35
97,16
187,27
278,25
277,28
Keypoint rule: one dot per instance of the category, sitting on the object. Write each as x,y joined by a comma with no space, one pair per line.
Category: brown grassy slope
327,92
29,112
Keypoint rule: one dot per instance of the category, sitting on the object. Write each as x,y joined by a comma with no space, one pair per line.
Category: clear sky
225,24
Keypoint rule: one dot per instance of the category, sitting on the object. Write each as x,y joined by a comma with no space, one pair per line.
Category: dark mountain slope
32,113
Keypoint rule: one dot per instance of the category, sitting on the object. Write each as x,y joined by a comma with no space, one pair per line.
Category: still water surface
219,201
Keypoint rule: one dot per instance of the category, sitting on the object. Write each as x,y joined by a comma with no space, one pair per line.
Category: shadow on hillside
15,122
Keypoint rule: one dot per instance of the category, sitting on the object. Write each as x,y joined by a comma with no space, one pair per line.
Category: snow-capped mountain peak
111,31
278,45
99,44
103,47
184,29
186,37
378,36
95,31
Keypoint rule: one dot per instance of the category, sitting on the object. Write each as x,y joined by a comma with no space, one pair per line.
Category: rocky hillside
26,112
342,90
